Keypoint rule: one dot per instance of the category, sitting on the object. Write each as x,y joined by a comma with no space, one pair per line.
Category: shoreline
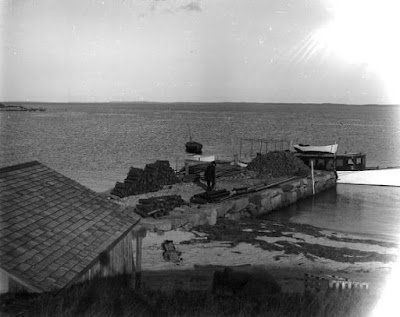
6,108
203,253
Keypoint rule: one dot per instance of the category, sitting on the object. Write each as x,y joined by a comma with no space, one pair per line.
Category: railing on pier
243,150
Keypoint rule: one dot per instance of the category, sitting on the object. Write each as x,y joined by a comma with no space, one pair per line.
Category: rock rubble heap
278,164
152,178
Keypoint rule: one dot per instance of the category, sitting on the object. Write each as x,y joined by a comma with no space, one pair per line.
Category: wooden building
54,232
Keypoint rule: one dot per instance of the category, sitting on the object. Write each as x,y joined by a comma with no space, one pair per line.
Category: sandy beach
285,254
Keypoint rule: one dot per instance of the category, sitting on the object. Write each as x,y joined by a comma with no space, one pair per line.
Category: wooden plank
258,188
139,254
186,168
131,264
312,177
133,256
138,281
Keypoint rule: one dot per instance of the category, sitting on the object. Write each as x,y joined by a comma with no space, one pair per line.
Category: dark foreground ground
116,297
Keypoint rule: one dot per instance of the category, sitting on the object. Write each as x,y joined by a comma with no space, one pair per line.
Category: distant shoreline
4,107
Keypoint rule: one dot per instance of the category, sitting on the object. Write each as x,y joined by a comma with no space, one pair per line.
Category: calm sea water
95,144
373,211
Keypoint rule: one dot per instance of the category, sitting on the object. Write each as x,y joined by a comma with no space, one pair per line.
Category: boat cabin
342,162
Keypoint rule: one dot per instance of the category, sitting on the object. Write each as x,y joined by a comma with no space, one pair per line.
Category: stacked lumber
278,164
152,178
161,172
210,197
158,206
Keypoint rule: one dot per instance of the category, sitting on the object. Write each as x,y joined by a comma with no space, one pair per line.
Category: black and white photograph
199,157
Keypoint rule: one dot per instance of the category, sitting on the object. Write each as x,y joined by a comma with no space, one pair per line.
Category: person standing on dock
209,176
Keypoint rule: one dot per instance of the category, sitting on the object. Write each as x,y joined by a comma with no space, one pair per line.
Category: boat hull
194,147
316,149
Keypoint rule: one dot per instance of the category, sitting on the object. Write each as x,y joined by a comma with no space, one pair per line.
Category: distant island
4,107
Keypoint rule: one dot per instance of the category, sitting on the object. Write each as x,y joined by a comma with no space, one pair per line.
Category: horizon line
201,102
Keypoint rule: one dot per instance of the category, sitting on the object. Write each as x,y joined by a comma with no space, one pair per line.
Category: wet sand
286,251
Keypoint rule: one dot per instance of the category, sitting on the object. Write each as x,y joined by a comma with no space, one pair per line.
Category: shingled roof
52,228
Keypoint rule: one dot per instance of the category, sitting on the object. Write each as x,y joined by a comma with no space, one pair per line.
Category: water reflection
372,211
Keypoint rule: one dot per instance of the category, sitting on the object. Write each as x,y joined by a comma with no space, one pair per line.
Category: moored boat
305,148
193,147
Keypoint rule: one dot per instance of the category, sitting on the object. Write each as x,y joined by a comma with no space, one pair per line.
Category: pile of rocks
278,164
152,178
158,206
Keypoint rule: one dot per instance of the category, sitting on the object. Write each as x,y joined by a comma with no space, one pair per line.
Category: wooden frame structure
263,146
124,256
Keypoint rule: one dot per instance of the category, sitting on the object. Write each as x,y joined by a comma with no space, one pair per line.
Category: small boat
193,146
305,148
241,164
201,158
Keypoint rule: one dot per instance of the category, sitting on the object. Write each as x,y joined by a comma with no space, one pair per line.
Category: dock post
240,150
186,168
312,177
236,159
233,146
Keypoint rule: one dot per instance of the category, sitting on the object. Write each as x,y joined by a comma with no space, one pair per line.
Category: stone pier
248,205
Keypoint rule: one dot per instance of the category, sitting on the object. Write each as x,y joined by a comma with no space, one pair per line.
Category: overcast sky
339,51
